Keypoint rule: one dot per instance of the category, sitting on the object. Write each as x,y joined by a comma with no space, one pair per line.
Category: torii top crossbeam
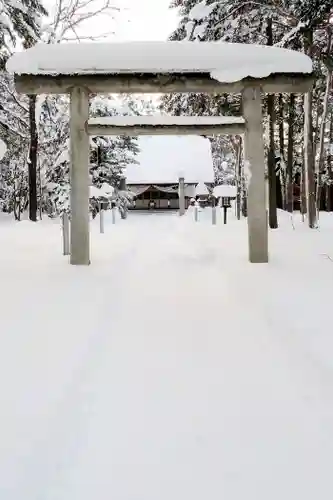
159,67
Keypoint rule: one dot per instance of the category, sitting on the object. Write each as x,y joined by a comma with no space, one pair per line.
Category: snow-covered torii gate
163,67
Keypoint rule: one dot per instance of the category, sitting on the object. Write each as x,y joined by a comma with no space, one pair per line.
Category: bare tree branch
70,16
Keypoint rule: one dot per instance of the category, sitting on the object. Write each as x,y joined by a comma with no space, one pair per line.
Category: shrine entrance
163,67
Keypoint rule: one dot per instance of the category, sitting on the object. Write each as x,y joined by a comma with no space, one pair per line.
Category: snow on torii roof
163,159
226,62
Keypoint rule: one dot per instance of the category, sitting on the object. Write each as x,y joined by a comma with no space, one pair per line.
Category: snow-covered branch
290,35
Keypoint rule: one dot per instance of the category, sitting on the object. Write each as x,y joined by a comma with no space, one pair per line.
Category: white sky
146,20
142,20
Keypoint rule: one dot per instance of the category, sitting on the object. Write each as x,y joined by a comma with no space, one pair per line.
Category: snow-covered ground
171,368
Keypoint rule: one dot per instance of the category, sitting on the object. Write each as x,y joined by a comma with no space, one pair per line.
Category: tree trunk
244,203
308,143
40,192
281,144
309,166
239,179
303,207
281,123
32,166
321,160
329,168
243,182
15,193
273,223
290,154
303,190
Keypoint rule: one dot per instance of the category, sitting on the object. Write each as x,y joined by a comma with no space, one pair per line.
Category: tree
247,22
230,21
67,17
54,154
20,19
14,131
224,154
110,155
272,209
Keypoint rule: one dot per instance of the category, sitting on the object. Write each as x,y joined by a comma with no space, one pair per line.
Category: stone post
181,196
101,218
65,233
113,212
214,214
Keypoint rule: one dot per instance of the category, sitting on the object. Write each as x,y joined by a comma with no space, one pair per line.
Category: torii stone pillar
79,174
181,193
255,156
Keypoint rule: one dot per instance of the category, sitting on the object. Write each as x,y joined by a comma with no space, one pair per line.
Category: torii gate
163,67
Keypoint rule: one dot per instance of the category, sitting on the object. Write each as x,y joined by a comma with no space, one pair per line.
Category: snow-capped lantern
226,201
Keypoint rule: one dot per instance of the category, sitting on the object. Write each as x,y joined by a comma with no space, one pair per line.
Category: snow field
170,367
